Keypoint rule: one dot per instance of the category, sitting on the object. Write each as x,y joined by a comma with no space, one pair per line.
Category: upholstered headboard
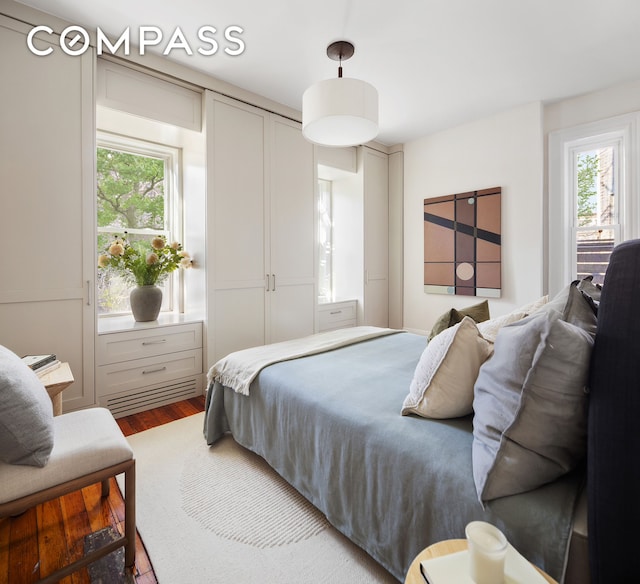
614,424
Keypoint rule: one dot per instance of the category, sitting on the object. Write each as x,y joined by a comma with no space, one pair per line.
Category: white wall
592,107
505,150
599,105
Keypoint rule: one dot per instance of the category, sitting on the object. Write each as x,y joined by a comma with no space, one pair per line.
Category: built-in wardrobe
249,222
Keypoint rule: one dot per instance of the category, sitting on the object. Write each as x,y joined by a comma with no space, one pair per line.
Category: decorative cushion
591,292
530,406
571,305
478,312
534,306
442,385
489,328
26,414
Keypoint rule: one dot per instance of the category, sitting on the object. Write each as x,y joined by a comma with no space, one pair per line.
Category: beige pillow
442,384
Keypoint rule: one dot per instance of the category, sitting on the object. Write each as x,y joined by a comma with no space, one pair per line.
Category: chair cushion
26,413
85,441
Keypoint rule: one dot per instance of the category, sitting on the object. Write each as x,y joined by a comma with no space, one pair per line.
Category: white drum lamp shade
340,112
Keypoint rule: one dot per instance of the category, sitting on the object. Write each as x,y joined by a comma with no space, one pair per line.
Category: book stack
42,364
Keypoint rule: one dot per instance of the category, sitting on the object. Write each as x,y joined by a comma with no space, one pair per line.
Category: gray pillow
26,414
572,306
591,292
530,404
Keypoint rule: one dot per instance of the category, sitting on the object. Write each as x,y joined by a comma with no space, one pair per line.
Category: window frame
173,228
564,144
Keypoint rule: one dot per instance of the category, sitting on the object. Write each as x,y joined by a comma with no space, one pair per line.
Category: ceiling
435,63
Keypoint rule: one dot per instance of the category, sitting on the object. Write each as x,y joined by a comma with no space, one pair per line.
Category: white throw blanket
237,370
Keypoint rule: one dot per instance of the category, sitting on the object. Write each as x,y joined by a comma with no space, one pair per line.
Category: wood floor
51,535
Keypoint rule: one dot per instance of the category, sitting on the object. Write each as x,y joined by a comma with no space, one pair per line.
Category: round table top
442,548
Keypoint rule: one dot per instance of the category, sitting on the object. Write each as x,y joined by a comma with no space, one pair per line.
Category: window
325,242
592,204
595,226
136,193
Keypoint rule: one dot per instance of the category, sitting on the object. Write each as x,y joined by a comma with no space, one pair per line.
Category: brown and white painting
462,244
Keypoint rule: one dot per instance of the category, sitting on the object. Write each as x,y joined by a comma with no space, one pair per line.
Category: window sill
113,324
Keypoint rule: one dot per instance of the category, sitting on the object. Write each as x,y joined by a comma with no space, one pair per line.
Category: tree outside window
596,211
132,196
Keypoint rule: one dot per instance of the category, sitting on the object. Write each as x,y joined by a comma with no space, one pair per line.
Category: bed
329,423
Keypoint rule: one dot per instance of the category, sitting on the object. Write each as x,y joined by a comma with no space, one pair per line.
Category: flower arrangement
143,265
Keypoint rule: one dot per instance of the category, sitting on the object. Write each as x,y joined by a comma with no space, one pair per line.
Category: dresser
142,367
337,315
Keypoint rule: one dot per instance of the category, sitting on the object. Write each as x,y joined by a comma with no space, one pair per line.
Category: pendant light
340,111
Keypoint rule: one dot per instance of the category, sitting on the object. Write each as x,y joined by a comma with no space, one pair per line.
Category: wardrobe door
376,237
237,267
48,200
292,296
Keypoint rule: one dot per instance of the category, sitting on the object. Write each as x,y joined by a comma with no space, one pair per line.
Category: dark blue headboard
613,469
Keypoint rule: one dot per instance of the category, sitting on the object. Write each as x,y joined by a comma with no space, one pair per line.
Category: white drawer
128,345
151,370
337,315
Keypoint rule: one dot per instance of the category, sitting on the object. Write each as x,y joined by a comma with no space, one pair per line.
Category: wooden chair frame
128,540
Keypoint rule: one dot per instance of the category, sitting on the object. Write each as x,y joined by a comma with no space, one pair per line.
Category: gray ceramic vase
145,303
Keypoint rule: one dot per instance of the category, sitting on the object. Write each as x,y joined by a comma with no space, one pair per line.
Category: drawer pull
147,371
336,312
145,343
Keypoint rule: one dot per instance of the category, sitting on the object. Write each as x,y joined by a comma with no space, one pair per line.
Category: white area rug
221,515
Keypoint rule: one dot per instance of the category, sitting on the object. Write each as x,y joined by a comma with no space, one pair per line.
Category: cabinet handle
147,371
274,282
336,312
158,342
88,292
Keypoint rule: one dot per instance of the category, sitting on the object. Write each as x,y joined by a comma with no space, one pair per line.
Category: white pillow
442,385
534,306
489,328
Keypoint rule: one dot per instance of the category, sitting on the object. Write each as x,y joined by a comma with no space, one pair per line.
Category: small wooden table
442,548
55,382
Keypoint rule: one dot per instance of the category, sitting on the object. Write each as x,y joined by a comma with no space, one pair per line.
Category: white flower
157,243
175,246
103,260
152,258
116,248
185,262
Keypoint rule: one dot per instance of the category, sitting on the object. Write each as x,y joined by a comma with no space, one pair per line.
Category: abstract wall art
462,244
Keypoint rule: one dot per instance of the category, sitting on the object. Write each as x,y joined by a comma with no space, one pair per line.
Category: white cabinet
260,220
147,367
47,219
337,315
376,237
396,239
